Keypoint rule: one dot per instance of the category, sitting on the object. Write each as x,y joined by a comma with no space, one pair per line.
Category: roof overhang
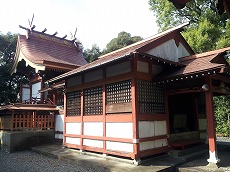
29,107
20,56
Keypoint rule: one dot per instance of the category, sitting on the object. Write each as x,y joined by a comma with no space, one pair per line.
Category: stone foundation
12,141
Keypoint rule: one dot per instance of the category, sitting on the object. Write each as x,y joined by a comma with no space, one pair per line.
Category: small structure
39,57
145,99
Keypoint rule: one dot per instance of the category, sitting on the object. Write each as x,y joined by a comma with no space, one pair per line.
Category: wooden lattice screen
150,97
32,121
73,104
119,92
93,101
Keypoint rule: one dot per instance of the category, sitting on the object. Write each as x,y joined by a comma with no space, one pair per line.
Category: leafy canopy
207,31
9,84
123,39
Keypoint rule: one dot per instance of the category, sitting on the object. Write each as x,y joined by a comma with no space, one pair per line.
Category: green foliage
92,54
222,114
207,31
7,48
123,39
203,37
168,16
8,83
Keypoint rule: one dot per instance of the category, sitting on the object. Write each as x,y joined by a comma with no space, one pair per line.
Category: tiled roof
120,53
197,63
41,48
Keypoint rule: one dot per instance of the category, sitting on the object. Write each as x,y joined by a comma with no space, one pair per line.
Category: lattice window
93,101
150,97
73,103
119,92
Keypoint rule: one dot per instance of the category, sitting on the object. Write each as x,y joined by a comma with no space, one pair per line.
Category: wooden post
12,121
104,112
65,115
213,158
82,114
134,111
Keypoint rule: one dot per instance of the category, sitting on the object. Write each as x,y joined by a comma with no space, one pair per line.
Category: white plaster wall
147,145
93,143
119,130
146,129
59,122
118,146
71,140
169,51
142,67
160,128
73,128
58,136
25,94
152,128
160,143
35,90
93,128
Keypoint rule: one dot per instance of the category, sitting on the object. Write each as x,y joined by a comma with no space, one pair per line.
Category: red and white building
145,99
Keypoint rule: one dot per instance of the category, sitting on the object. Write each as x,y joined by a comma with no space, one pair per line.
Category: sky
97,21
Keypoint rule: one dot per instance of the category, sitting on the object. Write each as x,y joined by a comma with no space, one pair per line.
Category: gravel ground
28,161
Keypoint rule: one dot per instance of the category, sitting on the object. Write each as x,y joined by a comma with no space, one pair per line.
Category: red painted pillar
213,158
136,144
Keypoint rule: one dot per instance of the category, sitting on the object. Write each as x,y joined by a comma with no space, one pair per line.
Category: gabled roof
121,53
198,63
41,51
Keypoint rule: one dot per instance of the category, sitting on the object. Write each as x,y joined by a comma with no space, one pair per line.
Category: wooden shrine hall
145,99
39,57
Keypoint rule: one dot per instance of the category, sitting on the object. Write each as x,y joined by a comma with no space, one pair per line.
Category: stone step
187,151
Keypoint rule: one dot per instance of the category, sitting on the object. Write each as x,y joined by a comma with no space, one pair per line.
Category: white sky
97,21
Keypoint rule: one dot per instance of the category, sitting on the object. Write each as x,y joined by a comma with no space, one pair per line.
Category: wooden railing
36,100
32,122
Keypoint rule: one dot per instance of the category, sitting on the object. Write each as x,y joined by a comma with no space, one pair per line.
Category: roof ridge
148,38
201,55
49,37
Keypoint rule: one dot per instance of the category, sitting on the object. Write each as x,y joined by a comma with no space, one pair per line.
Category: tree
222,113
7,48
123,39
194,11
92,54
8,82
207,31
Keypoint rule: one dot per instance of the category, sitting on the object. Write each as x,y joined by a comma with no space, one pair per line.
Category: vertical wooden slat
23,120
12,120
45,121
34,119
48,121
28,121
